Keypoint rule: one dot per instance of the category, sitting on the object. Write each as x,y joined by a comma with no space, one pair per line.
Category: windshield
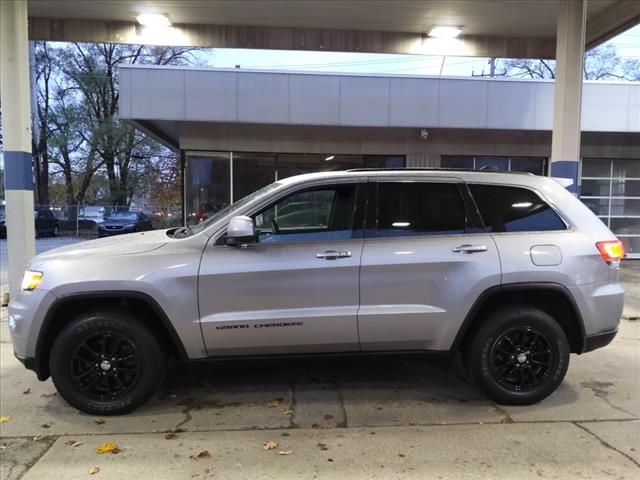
230,209
124,216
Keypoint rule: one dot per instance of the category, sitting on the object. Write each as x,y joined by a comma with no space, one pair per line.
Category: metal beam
610,22
281,38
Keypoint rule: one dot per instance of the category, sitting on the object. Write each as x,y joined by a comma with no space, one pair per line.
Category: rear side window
406,209
513,209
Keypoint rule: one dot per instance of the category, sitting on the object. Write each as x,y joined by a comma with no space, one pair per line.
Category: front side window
406,209
513,209
325,213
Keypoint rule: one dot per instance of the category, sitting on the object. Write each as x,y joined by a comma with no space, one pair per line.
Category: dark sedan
45,222
124,222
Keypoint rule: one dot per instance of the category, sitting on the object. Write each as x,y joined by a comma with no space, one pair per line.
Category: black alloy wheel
107,362
104,365
518,356
521,358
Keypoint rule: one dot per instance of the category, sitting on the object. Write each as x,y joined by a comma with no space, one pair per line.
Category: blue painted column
565,140
15,94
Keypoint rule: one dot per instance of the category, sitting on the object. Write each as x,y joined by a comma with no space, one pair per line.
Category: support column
565,140
16,125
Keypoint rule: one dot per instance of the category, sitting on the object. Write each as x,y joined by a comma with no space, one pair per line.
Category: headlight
31,280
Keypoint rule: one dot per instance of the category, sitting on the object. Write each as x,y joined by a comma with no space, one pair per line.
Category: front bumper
27,311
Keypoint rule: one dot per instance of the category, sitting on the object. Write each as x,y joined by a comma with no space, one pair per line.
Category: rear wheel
519,356
106,363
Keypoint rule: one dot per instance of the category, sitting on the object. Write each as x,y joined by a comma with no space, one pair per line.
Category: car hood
113,246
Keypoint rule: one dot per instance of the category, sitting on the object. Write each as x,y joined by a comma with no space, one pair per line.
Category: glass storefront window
297,164
536,165
207,185
252,171
611,189
210,176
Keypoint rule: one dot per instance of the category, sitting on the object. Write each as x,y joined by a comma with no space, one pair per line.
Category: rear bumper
599,340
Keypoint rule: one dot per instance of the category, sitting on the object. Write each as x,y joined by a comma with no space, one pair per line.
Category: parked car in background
45,222
124,222
94,213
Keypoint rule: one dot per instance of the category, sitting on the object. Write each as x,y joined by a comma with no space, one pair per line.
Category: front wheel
519,356
106,363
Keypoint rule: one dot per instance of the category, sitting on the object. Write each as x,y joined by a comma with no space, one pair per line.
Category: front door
296,289
422,265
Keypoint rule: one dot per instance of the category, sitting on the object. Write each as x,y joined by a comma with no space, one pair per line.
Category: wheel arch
552,298
150,313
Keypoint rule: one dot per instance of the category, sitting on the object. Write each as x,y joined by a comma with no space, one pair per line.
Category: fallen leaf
93,470
5,418
322,446
275,403
45,425
99,421
270,445
285,434
315,425
170,435
288,412
285,452
204,453
108,447
329,459
27,391
328,417
378,408
401,455
75,444
412,424
37,438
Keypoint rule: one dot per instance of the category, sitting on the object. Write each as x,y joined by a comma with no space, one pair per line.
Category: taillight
611,251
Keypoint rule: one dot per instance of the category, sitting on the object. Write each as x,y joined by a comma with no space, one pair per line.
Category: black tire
519,356
106,363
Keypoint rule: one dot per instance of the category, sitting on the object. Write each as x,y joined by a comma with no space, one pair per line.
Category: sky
627,45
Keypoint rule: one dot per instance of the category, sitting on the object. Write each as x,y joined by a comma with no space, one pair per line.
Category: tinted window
419,209
512,209
318,214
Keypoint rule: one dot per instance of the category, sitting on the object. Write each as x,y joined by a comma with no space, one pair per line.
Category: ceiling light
330,157
153,20
444,32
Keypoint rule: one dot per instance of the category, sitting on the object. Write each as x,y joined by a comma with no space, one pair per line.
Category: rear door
424,263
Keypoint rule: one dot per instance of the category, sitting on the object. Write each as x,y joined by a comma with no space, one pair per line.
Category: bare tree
600,63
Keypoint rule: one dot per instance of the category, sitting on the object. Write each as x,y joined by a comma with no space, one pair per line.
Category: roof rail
437,169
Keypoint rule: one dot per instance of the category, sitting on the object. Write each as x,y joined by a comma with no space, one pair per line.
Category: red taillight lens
611,250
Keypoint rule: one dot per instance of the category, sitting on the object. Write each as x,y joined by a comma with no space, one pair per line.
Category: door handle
468,248
333,254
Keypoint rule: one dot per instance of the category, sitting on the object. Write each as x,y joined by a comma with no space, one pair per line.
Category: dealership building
238,130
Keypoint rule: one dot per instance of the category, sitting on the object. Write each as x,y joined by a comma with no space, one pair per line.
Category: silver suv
511,270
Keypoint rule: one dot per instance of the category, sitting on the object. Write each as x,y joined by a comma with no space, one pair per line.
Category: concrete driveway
382,418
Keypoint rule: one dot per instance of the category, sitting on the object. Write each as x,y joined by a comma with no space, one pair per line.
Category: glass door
611,188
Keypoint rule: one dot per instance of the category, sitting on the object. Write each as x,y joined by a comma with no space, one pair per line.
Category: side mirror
241,231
